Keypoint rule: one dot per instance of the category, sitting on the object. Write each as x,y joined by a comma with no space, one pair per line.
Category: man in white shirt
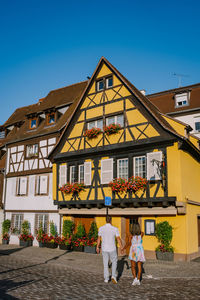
108,233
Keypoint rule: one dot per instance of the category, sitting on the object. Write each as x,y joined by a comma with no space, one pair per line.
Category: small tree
53,230
93,232
68,227
164,234
6,226
25,227
80,231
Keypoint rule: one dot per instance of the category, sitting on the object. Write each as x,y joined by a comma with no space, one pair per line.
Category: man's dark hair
108,219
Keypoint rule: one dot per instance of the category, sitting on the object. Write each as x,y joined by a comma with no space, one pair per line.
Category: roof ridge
67,86
175,89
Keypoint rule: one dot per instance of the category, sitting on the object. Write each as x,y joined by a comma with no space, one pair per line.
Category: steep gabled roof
55,99
165,100
152,109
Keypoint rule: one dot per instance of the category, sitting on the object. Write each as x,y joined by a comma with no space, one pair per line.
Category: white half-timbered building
30,135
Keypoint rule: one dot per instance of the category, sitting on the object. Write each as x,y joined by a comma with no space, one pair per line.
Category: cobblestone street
35,273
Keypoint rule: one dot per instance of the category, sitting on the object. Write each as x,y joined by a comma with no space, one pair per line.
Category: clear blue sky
46,44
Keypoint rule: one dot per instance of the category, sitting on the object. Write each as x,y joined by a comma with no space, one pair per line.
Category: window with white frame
197,126
21,186
100,85
16,223
81,173
181,99
41,220
41,185
139,166
31,150
95,124
72,174
119,119
109,82
122,168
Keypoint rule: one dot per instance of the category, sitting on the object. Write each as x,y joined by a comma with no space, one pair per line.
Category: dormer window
33,123
181,100
2,134
51,118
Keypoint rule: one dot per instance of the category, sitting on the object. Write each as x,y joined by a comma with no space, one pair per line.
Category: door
129,223
86,221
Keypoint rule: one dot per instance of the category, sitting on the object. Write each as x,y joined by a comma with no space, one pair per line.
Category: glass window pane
110,120
109,82
120,120
33,123
91,125
100,85
100,124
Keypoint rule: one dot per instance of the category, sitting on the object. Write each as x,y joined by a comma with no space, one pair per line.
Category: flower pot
51,245
167,256
41,244
90,249
79,248
5,242
25,243
64,247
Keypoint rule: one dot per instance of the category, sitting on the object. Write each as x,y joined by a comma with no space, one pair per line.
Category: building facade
30,135
182,104
148,144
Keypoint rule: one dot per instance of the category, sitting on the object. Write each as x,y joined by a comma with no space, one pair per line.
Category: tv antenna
180,76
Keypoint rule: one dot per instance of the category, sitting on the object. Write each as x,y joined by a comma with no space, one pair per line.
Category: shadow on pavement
10,285
10,251
120,266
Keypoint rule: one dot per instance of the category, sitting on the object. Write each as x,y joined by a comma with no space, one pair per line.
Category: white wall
190,120
29,202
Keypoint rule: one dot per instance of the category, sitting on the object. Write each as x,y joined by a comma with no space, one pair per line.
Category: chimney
143,92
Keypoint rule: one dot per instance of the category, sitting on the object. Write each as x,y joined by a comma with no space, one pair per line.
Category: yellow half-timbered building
148,144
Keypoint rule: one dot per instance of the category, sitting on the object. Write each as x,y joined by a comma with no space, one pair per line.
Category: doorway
86,221
198,225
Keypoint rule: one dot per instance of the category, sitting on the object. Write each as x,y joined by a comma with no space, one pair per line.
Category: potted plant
78,240
91,241
5,231
92,133
52,241
65,243
164,234
136,183
41,236
112,129
25,238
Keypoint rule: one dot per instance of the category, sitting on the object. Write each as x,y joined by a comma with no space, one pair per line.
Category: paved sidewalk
53,274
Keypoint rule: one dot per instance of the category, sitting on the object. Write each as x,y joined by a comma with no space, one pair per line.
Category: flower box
51,245
92,133
42,245
90,249
112,129
72,188
5,242
167,256
78,249
64,247
25,243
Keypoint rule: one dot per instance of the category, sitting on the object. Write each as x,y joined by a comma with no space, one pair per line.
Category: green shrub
25,227
80,231
68,228
6,226
93,232
53,230
164,234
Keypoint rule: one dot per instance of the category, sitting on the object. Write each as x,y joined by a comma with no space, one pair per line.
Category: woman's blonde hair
135,229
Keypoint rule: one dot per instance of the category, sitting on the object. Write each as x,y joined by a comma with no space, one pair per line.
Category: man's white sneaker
114,280
106,281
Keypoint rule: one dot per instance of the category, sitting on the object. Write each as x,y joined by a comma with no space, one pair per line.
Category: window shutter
62,175
18,186
106,170
154,160
87,173
37,185
23,186
43,184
